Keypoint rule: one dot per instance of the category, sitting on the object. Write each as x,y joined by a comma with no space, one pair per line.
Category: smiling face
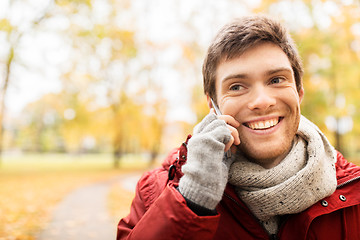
258,89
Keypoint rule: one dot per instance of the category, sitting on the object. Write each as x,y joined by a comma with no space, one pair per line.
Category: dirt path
83,214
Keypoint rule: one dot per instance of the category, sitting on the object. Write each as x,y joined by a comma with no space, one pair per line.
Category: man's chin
267,157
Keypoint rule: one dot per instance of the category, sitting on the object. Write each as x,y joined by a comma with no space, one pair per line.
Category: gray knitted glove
206,170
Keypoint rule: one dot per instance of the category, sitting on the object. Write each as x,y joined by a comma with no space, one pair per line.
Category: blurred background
92,90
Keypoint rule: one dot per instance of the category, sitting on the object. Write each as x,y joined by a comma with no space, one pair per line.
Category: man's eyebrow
235,76
281,69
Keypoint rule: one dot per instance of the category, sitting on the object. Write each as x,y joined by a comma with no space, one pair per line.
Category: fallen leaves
27,197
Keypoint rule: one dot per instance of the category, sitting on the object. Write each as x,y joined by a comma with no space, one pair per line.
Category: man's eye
276,80
235,87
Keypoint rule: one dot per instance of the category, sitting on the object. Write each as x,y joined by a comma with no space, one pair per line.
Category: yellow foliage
29,192
63,3
5,25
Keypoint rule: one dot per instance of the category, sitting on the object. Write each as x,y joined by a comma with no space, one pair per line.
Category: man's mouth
261,125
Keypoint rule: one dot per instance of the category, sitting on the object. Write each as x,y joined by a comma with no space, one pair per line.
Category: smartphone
218,112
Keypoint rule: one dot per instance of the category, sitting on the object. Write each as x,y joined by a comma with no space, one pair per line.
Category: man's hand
206,170
232,125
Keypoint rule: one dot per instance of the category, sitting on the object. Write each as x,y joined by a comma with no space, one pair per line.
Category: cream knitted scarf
305,176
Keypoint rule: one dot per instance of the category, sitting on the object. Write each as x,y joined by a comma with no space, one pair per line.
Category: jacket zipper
348,181
271,236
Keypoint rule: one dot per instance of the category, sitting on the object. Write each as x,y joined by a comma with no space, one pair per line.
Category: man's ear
209,101
301,94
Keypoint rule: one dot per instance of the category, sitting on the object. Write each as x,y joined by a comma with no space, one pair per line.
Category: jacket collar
346,172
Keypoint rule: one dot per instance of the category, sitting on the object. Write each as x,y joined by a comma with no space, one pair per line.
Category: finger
229,120
235,134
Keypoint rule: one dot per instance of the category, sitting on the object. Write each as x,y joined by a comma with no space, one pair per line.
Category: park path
83,214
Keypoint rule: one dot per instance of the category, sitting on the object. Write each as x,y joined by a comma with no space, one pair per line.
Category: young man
279,177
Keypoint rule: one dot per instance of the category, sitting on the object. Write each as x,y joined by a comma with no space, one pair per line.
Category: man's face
258,89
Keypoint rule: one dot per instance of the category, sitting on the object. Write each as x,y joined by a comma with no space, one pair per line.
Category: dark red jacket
159,211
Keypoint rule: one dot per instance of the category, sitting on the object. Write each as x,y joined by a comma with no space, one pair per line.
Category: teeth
263,124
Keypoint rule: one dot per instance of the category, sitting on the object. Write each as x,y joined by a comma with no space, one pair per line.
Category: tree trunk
153,155
116,158
3,98
338,143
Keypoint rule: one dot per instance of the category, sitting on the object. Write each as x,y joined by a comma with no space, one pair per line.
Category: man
279,179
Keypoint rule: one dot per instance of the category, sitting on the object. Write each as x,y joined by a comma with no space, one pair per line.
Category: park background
95,89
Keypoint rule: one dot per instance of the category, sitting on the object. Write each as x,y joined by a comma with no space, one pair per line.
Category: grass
32,185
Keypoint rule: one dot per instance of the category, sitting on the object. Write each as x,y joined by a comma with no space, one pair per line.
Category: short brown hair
242,34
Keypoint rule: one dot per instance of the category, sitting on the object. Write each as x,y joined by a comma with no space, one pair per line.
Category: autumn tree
105,63
327,34
14,32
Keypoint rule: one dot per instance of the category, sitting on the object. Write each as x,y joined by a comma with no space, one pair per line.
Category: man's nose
261,98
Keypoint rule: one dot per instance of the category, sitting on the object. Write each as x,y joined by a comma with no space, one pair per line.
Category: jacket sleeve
156,214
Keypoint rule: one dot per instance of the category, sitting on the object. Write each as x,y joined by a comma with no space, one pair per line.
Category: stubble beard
269,155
